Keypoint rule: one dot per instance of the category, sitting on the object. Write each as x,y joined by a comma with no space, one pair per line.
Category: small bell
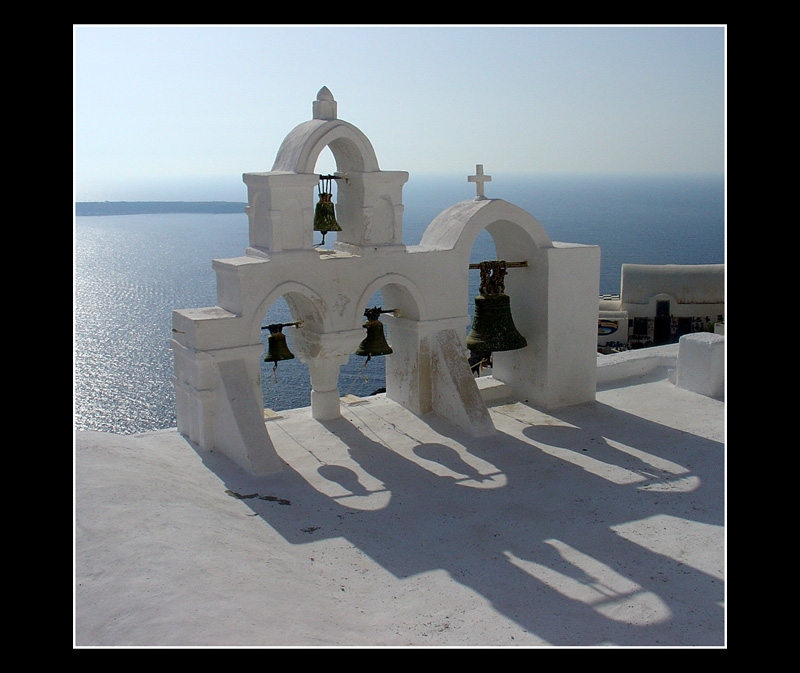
325,212
277,348
493,327
375,341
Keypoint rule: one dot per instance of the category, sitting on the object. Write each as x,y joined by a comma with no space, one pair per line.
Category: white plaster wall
572,324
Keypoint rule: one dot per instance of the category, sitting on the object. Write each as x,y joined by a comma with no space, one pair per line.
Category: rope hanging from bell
325,213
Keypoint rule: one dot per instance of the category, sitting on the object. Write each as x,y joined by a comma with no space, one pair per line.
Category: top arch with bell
369,205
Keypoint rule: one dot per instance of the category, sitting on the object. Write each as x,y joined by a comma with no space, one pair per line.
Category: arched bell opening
285,378
527,289
387,310
483,249
326,162
338,157
365,371
285,382
326,217
502,297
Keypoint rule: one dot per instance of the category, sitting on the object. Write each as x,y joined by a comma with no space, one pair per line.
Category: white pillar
325,386
324,353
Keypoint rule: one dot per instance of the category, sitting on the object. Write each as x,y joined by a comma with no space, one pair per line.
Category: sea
134,265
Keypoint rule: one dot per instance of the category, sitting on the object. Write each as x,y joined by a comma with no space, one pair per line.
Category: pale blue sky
180,112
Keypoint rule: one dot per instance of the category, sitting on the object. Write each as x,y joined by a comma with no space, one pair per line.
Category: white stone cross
479,179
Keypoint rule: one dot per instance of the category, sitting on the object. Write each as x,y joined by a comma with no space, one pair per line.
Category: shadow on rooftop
552,521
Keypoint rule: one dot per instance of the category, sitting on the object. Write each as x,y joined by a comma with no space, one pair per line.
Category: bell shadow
499,542
448,457
345,477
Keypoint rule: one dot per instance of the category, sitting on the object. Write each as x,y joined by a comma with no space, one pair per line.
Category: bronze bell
277,348
325,212
375,341
493,327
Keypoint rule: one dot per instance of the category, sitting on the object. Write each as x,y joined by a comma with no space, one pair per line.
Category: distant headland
156,207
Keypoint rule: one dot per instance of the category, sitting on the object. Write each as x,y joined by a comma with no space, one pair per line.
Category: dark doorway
684,327
662,332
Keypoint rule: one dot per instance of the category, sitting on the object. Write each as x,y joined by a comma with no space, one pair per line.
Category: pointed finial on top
325,105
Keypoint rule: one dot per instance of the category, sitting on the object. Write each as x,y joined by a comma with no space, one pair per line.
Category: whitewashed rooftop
598,525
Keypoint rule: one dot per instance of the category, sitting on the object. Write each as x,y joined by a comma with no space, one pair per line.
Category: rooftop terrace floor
595,525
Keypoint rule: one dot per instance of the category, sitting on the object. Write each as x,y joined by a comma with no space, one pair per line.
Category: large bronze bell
375,341
493,327
325,212
277,348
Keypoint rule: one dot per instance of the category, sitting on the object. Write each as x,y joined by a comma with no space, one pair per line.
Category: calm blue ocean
131,271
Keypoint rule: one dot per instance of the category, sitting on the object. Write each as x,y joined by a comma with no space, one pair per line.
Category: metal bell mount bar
509,265
374,312
282,325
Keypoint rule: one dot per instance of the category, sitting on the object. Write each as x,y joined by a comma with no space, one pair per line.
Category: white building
658,304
